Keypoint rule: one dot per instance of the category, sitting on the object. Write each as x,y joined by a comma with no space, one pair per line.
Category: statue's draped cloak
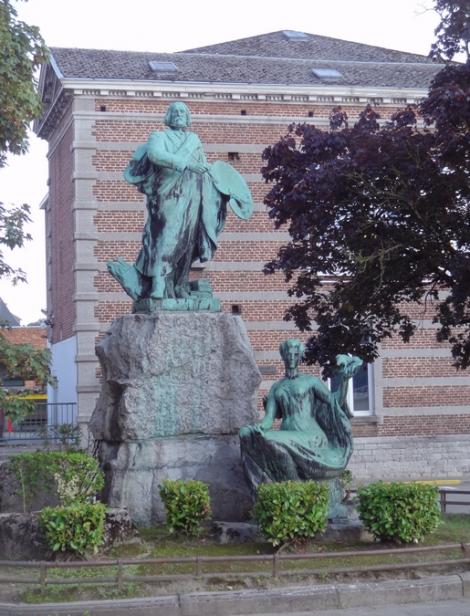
186,210
314,440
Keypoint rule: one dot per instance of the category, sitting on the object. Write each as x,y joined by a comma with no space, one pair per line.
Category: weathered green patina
314,440
187,202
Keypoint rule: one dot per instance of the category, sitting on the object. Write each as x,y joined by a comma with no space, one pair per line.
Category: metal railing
274,568
444,502
48,422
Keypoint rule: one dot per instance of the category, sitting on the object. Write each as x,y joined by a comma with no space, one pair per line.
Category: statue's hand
262,426
244,431
257,427
197,167
348,365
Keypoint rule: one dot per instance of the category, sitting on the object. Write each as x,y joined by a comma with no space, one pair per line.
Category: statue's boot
127,276
158,287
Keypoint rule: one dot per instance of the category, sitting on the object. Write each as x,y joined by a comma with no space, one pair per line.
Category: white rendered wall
64,371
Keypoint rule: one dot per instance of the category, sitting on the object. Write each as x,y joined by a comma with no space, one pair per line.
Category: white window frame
371,389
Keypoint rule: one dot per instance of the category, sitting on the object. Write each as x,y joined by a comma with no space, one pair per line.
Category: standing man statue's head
177,116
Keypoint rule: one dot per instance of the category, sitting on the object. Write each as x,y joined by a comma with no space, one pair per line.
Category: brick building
412,407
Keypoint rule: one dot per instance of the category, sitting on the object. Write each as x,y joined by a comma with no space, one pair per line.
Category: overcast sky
152,25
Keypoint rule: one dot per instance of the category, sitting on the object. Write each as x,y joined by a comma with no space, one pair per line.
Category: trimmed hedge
187,504
399,512
73,475
291,510
77,528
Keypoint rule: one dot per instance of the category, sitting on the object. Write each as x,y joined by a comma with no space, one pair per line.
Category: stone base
347,531
236,532
134,471
22,538
177,387
337,510
173,374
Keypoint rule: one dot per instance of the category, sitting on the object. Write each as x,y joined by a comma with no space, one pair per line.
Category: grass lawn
157,543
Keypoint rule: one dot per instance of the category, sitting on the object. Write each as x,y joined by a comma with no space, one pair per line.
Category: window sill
364,419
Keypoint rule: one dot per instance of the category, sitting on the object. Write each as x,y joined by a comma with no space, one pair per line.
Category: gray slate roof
275,44
265,59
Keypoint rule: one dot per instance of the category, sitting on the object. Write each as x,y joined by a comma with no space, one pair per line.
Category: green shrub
399,512
78,528
74,476
291,510
187,504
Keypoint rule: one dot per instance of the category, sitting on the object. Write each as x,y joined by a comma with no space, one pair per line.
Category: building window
360,391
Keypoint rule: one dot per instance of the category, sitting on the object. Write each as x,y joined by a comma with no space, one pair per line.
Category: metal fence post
43,575
120,575
442,496
275,571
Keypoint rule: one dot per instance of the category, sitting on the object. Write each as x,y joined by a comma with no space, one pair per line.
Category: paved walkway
439,608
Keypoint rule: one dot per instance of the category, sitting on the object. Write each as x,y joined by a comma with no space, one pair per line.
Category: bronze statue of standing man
186,204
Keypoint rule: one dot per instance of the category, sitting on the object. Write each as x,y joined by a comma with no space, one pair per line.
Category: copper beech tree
382,211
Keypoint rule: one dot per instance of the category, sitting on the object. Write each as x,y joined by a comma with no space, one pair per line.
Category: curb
290,599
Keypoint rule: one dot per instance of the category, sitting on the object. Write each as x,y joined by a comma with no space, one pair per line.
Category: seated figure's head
292,352
177,115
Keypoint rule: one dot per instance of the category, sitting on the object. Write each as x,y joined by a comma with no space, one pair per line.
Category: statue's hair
167,118
292,341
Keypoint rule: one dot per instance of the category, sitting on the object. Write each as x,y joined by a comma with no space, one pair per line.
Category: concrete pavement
439,608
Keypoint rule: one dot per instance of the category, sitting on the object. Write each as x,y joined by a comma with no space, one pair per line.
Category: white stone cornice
242,92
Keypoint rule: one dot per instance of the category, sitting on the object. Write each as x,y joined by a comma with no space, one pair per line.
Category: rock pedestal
177,387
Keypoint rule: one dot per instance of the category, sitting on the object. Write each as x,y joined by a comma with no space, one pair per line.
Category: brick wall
61,242
236,271
36,336
420,367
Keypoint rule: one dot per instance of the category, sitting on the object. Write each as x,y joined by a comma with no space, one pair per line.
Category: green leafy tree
383,211
28,363
22,50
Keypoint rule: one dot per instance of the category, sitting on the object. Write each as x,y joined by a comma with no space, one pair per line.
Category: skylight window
294,35
162,67
326,73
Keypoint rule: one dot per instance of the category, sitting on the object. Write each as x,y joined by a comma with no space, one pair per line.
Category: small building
412,408
36,336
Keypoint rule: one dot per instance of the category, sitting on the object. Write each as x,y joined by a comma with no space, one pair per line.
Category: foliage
69,435
399,512
28,363
77,528
13,235
291,510
379,218
453,31
74,476
22,52
187,504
